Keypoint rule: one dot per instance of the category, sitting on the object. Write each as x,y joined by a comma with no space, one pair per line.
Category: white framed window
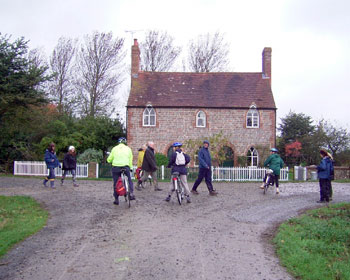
252,157
253,118
201,119
149,117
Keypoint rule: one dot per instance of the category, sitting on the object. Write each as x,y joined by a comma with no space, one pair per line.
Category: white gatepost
162,172
97,170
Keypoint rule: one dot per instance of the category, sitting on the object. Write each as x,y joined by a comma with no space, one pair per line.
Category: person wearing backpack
121,156
204,169
178,163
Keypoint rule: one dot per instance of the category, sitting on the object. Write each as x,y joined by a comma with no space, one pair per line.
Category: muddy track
223,237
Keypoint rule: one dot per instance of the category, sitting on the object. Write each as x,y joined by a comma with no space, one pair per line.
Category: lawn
316,245
20,217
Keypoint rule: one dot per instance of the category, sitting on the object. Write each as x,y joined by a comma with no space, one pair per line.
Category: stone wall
176,124
340,172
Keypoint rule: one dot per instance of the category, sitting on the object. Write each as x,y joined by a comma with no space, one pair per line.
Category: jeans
204,173
116,173
65,172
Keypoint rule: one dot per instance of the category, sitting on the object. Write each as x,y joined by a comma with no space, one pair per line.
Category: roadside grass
316,245
20,217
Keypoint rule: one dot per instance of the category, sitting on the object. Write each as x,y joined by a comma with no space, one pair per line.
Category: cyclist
178,163
275,163
121,156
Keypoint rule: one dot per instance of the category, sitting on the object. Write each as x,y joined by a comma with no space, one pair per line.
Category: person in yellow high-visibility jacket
139,172
121,157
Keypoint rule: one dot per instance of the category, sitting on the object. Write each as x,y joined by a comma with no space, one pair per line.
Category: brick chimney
266,63
135,59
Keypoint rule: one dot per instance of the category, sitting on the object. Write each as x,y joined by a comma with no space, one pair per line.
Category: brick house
176,106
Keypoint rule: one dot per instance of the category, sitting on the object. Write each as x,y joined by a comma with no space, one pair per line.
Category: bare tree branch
61,88
100,69
158,52
208,54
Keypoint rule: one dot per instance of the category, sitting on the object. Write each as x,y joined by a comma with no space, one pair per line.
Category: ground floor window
252,157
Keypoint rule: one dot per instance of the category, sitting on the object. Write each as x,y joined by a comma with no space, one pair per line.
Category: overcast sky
310,39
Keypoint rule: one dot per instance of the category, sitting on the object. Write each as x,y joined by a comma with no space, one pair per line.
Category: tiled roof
201,90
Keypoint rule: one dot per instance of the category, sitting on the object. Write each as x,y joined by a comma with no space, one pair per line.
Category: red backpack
119,187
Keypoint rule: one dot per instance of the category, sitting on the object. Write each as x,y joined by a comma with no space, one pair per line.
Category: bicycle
269,180
126,186
178,187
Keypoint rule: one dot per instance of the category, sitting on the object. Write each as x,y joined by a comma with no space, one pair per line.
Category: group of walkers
69,165
121,157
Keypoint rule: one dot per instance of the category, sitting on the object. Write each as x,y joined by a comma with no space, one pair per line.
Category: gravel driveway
223,237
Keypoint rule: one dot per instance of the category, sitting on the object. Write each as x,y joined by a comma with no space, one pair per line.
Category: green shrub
90,155
161,159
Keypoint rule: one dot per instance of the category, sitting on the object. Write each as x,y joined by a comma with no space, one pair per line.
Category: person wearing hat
177,163
204,169
274,162
70,165
52,162
324,172
121,157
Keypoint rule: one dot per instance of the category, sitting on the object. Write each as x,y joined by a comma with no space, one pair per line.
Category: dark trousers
275,179
204,173
116,173
324,189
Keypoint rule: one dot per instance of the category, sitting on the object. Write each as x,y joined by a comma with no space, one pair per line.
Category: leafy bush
161,159
90,155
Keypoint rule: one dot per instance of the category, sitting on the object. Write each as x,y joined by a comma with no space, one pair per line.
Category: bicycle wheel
178,191
266,184
127,196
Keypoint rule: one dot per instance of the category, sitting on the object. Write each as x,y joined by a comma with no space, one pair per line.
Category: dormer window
253,117
201,119
149,116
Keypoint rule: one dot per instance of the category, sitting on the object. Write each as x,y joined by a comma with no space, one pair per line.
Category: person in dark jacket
274,162
324,171
177,163
52,162
204,169
70,165
149,166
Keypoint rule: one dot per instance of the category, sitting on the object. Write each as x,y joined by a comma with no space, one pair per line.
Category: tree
294,126
100,72
20,96
61,88
19,77
335,139
209,53
158,52
298,127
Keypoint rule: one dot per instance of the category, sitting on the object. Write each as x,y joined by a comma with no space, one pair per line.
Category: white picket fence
241,174
38,168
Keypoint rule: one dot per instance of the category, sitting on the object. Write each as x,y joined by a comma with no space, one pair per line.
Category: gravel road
222,237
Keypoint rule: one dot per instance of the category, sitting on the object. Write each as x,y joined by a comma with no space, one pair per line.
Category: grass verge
20,217
316,245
